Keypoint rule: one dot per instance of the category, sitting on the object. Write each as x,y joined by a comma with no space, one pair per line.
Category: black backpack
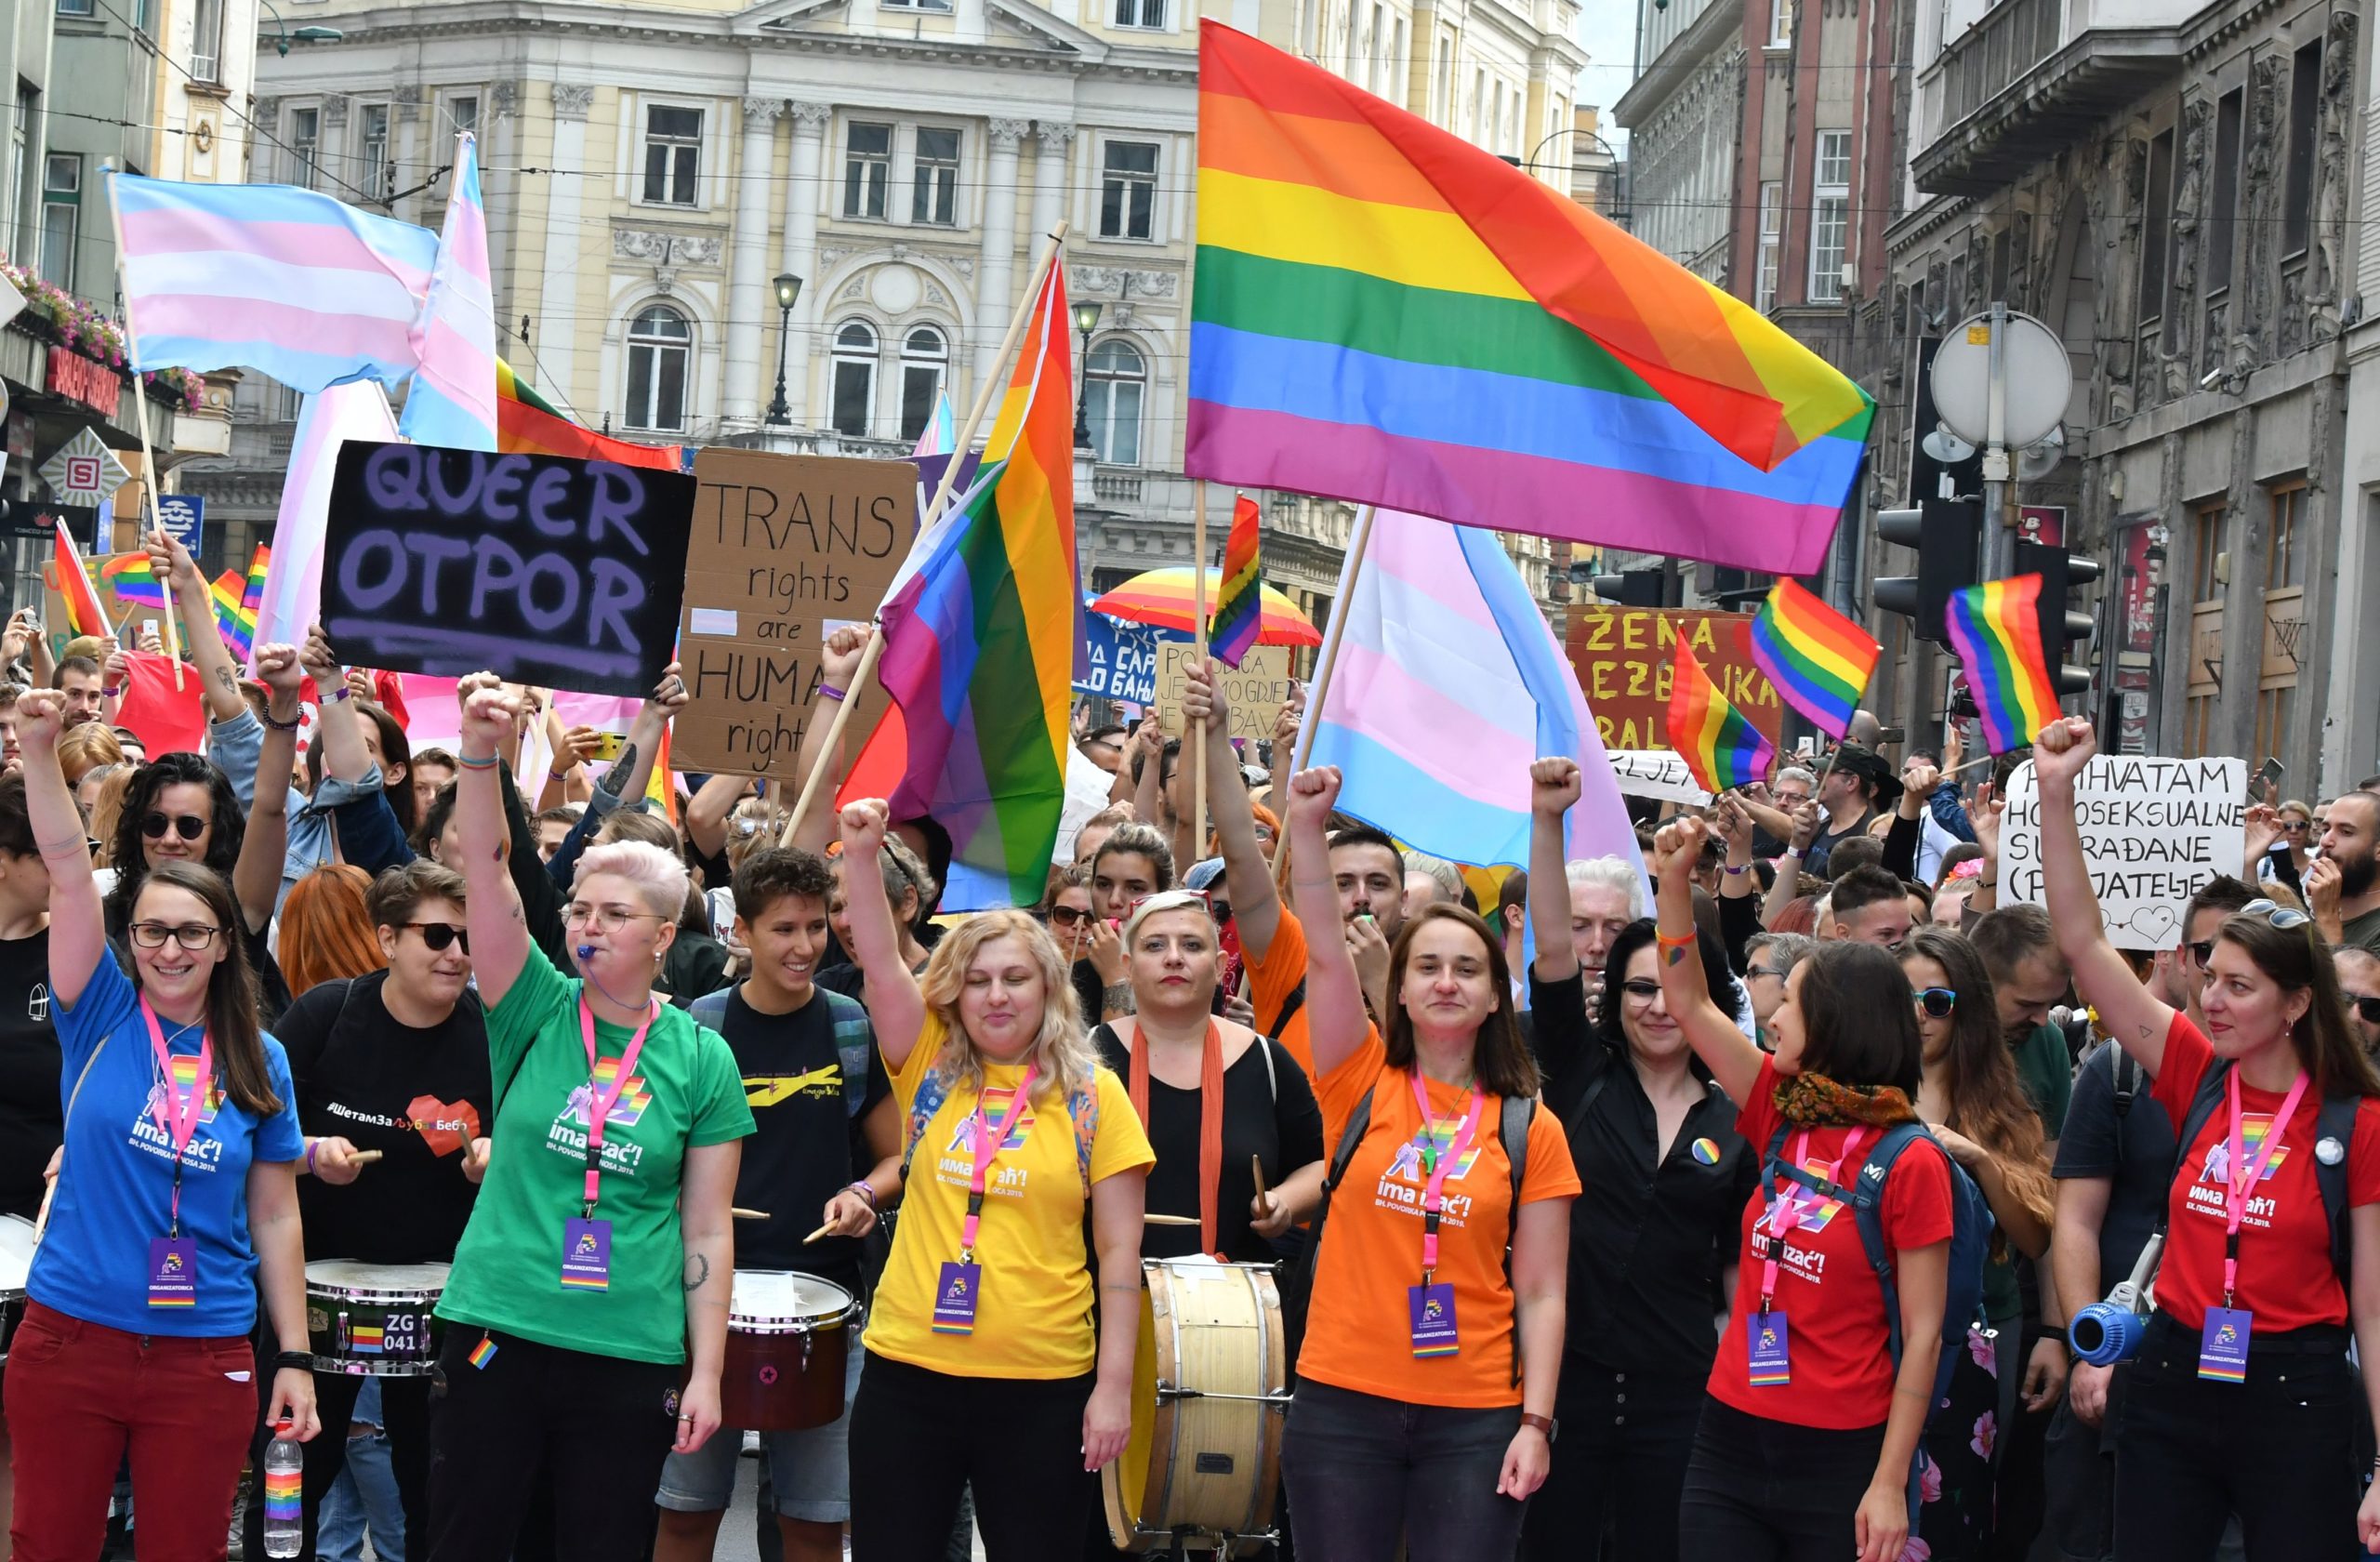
2335,1124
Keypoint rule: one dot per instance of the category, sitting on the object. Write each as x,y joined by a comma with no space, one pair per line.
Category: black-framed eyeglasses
2275,913
189,935
1754,971
438,935
1938,1002
1640,988
189,826
2366,1005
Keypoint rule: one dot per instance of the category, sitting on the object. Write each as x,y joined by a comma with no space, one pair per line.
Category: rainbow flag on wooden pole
83,613
1718,743
527,424
1820,660
1239,602
1996,629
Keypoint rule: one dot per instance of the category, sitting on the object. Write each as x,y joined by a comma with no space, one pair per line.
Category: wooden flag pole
140,417
1197,755
993,382
1319,690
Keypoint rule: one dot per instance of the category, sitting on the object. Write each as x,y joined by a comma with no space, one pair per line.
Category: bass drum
1209,1405
16,1244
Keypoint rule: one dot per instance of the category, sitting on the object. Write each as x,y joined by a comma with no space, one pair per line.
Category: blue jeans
364,1496
1364,1471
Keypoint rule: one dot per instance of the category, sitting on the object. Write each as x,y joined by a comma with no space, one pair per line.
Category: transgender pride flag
453,400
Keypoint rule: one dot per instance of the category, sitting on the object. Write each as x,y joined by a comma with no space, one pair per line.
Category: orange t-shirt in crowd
1834,1310
1270,982
2286,1280
1359,1332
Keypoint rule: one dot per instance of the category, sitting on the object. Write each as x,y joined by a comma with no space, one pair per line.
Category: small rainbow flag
1996,629
483,1353
1820,660
237,600
1718,743
129,577
1239,604
85,614
526,424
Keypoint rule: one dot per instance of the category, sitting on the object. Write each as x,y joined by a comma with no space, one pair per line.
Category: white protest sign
1656,772
2154,832
1087,790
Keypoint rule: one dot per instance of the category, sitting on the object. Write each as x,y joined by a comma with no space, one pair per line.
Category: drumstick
41,1219
820,1232
364,1158
1256,1169
742,1214
1171,1220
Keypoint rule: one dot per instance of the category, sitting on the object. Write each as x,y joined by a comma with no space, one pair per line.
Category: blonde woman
984,1367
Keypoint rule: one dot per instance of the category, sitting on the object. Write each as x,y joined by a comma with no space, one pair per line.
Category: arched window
924,355
853,397
661,346
1116,377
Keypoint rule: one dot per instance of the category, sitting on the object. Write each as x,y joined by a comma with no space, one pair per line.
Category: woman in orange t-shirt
1425,1387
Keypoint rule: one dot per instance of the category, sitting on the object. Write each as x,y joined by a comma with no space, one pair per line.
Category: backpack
854,1039
2336,1121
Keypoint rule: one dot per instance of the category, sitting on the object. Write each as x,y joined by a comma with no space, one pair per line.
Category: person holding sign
587,1313
982,1365
1426,1383
2240,1398
176,1204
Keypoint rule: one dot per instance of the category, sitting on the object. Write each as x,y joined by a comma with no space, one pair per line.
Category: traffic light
1945,534
2061,572
1636,588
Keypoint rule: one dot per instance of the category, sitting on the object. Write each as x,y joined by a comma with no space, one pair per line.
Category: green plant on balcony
79,326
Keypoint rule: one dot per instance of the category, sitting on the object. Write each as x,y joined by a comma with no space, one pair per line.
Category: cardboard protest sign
784,548
1656,772
1122,659
2154,832
125,613
1624,656
543,569
1256,689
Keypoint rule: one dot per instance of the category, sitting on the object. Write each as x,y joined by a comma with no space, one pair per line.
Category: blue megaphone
2109,1331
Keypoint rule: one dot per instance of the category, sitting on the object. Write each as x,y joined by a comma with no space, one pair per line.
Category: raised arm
709,809
839,664
896,1005
1804,830
256,876
1334,995
651,724
499,933
344,755
1553,789
1732,1057
170,561
1255,904
78,938
2128,1010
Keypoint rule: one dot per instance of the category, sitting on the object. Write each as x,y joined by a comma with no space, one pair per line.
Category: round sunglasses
1938,1002
189,826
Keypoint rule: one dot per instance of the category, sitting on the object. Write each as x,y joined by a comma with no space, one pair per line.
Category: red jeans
78,1394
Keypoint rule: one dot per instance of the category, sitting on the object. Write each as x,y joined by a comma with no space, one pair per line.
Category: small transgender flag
940,436
1240,602
453,400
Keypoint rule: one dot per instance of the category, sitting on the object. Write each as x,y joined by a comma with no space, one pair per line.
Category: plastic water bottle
284,1486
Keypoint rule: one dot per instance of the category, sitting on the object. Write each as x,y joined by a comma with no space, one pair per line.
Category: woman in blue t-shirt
176,1190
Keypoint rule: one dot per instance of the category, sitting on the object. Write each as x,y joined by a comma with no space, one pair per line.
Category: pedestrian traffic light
2061,572
1636,588
1945,534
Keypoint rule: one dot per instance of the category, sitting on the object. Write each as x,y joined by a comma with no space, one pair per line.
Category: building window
853,392
2298,189
867,168
1772,240
923,356
1140,13
1780,23
1829,216
305,147
75,8
2206,552
660,347
2156,229
934,197
1399,76
1114,379
2284,551
942,5
1128,192
2273,717
372,150
61,210
673,155
206,41
462,113
2222,212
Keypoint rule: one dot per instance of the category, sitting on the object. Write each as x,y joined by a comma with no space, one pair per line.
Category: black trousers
1759,1490
404,1413
2279,1449
1618,1467
1366,1470
598,1425
917,1437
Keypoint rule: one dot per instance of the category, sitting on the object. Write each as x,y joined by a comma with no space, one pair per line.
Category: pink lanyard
601,1099
2236,1196
177,1115
1785,1210
986,1150
1433,1193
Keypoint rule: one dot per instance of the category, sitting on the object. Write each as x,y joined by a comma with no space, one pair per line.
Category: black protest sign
542,569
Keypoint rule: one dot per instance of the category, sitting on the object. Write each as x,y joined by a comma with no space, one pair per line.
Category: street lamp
303,34
788,289
1085,322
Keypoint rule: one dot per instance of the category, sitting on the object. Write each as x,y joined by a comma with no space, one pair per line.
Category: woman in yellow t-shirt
983,1368
1426,1386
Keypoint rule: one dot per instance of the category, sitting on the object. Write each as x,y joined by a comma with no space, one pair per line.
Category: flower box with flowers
55,316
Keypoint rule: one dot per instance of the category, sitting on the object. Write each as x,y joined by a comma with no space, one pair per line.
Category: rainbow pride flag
237,600
1820,660
129,577
1996,629
1239,604
981,633
526,424
85,614
1384,313
1718,743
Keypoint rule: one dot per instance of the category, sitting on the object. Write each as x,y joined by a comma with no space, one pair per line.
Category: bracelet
1792,852
289,726
1543,1423
827,691
865,1191
1666,942
302,1360
332,696
1732,871
1983,883
111,691
470,764
309,1156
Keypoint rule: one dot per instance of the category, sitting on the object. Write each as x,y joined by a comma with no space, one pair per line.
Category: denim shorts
810,1471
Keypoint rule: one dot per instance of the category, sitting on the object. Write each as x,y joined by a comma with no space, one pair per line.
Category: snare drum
16,1265
373,1321
1209,1404
788,1341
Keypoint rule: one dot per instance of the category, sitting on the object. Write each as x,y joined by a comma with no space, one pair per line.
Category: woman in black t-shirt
394,1062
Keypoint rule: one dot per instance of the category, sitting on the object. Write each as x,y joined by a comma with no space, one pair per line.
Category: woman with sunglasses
176,1206
391,1068
1976,1101
2288,841
1657,1144
2241,1400
1070,912
586,1317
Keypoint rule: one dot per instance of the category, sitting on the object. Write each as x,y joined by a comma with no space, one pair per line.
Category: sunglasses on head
189,826
2273,912
1938,1002
437,936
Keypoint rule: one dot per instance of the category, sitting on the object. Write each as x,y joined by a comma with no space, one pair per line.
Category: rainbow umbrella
1164,598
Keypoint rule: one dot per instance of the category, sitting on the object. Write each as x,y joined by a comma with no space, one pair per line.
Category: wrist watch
1546,1424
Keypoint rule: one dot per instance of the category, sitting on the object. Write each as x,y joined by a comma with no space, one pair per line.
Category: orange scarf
1210,1120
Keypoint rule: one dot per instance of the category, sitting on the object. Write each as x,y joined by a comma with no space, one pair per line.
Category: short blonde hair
84,749
659,877
1061,1051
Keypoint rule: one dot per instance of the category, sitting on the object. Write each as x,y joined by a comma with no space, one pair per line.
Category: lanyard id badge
1431,1303
585,1240
173,1258
960,1285
1768,1342
2223,1338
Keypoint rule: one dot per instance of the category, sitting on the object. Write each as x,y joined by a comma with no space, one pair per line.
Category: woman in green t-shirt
604,1210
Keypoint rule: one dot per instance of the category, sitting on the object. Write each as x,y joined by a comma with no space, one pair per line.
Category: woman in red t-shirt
2241,1400
1808,1436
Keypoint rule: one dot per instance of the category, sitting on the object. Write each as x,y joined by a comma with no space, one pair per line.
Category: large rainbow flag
981,633
1387,314
1996,629
526,424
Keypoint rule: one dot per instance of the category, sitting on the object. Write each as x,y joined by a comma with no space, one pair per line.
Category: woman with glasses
1656,1142
1070,912
2241,1400
585,1316
1977,1103
391,1069
176,1205
2285,859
